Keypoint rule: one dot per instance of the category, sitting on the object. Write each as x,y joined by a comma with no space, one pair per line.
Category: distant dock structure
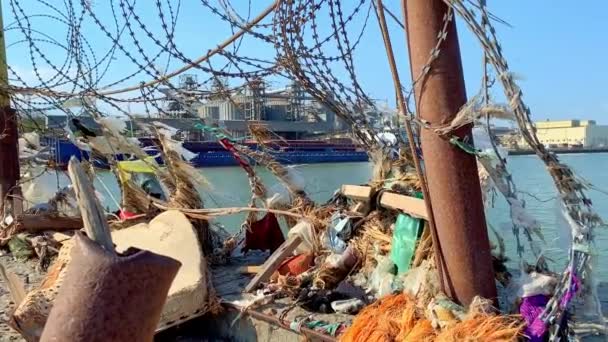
572,133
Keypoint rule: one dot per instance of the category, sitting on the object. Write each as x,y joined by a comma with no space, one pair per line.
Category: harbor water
229,187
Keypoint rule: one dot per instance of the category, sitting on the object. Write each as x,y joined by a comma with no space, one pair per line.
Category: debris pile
370,255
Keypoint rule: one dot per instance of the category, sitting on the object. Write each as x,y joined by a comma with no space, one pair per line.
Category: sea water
229,187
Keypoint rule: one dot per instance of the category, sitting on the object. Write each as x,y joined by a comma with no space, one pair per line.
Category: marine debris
396,258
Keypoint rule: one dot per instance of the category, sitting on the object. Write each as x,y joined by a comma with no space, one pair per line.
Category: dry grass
374,234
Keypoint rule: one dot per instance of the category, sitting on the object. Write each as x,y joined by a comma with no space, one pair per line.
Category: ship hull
210,154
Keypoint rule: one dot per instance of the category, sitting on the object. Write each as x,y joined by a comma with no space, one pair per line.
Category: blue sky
558,49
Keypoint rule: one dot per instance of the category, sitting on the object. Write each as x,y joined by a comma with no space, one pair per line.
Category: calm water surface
230,187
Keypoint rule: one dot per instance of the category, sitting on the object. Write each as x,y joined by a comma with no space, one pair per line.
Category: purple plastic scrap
531,308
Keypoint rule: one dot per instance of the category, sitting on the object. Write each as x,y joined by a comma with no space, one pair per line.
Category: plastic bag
421,277
405,236
381,280
340,224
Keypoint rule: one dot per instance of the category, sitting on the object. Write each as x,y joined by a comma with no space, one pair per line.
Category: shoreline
560,151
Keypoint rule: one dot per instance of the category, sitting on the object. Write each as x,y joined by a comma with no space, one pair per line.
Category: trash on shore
365,265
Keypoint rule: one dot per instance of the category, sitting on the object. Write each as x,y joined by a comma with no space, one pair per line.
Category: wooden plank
357,192
14,284
409,205
94,220
274,261
36,223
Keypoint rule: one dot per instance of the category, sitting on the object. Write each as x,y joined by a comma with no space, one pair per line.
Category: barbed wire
314,43
578,207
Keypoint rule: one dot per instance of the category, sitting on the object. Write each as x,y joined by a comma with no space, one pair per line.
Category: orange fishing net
393,318
483,328
397,318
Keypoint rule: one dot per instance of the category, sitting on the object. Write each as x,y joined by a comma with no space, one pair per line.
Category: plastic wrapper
348,306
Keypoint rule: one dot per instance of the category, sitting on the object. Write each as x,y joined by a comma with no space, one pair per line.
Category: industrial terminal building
289,112
571,133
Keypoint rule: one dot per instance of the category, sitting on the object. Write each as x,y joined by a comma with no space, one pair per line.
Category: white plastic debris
348,306
532,284
114,123
303,229
381,280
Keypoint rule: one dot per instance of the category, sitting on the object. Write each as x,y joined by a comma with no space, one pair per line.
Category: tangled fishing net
291,29
399,318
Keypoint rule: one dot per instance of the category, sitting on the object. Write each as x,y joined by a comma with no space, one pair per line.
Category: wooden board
357,192
14,284
409,205
36,223
274,261
93,218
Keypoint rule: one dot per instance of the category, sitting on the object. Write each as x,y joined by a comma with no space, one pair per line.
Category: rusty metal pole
452,176
9,149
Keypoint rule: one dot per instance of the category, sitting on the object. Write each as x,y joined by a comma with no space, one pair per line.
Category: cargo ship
296,119
210,153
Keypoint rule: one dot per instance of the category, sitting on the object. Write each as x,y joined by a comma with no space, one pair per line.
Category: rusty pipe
109,298
452,175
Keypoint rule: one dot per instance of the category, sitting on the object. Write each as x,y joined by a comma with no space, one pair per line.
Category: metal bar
452,175
276,321
9,155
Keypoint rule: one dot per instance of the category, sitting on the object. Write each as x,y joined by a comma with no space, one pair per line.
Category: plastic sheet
483,142
339,226
304,229
280,193
29,144
405,235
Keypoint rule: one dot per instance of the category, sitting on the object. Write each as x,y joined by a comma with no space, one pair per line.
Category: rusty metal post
9,140
452,176
105,297
9,153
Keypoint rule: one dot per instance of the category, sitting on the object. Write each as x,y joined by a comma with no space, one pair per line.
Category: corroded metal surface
109,298
451,173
